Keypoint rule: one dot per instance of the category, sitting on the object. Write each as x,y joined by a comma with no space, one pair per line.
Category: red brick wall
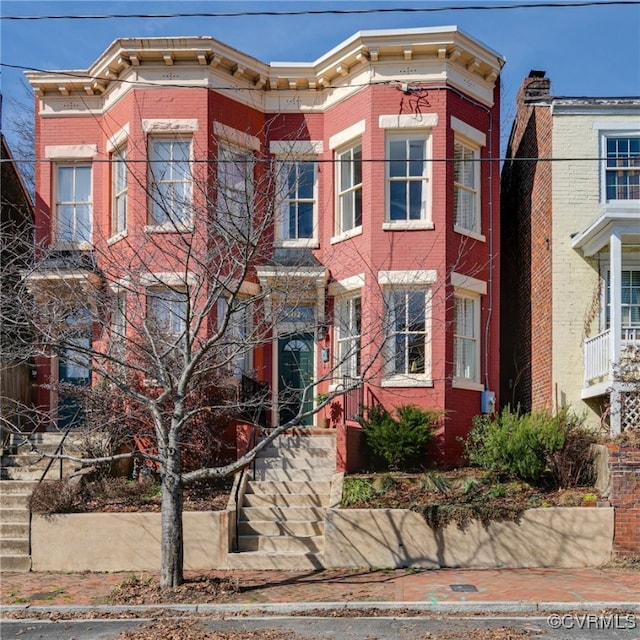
624,463
526,257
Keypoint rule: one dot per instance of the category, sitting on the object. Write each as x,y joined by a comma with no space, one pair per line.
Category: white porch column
615,324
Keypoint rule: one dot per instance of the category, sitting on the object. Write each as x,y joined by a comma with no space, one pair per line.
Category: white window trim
170,125
346,285
426,221
473,135
236,137
71,152
408,121
338,364
407,278
457,382
339,234
83,245
182,226
613,130
468,283
348,135
295,148
473,146
175,279
392,379
115,237
118,139
312,242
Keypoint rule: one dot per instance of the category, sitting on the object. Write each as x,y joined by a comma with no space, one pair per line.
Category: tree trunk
172,536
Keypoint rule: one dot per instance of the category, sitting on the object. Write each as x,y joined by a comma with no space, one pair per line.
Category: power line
315,12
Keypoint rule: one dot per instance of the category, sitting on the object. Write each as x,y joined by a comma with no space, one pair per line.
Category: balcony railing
597,353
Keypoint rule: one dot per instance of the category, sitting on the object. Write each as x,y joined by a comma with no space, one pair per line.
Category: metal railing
352,398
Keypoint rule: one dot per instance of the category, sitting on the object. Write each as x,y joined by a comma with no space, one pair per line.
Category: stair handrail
251,443
59,448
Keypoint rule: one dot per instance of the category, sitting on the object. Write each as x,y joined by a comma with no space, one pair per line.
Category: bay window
73,204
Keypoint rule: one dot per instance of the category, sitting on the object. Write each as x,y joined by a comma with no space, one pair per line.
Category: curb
289,608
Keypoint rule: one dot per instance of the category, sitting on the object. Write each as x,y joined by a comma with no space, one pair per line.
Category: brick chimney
535,87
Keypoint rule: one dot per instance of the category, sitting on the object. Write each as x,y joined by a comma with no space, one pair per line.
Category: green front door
295,372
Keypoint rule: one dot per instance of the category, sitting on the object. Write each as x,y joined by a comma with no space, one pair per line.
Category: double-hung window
349,188
237,347
466,201
73,204
167,310
407,331
348,326
465,338
171,181
298,199
622,168
407,178
119,191
235,190
629,298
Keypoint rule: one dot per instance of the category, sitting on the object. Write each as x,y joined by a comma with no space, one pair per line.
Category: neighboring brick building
392,227
570,259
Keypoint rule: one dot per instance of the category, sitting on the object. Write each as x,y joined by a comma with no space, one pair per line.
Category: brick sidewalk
497,585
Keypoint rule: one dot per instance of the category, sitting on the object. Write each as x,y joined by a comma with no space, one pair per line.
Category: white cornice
413,53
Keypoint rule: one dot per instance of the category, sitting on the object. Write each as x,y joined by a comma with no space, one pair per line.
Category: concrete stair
281,519
20,470
14,524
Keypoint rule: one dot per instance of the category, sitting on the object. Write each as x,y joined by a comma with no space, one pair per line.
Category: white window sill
611,206
302,243
74,246
408,225
464,383
119,236
469,233
169,228
407,381
356,231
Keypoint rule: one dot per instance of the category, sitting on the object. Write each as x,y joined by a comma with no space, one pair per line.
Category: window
298,202
348,331
630,298
73,206
622,173
119,186
466,202
170,169
408,331
235,189
465,338
118,331
236,343
167,310
407,178
349,179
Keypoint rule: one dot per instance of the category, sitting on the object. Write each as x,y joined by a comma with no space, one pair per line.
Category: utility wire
315,12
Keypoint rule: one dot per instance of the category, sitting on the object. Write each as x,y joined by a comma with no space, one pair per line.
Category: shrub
55,496
532,446
399,441
356,490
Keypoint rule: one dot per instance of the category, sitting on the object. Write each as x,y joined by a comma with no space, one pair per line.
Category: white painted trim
406,381
469,385
418,277
408,225
71,151
118,138
612,127
461,281
471,234
352,283
471,133
170,125
296,147
117,237
236,137
123,284
168,279
345,235
348,134
169,227
408,121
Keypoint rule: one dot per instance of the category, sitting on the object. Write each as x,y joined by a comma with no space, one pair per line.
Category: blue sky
586,51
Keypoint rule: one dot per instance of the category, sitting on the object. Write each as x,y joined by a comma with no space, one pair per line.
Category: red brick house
389,220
